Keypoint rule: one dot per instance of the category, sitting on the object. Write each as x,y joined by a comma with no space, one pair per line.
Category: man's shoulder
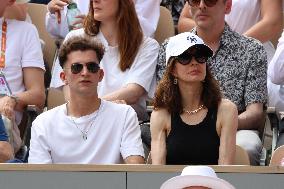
117,112
23,25
116,107
51,114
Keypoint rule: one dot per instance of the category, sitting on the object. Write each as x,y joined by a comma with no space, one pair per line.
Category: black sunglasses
92,67
196,3
185,58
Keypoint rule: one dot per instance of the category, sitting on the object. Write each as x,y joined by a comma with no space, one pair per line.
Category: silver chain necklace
194,111
85,132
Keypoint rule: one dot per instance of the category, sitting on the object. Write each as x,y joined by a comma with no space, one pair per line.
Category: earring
175,81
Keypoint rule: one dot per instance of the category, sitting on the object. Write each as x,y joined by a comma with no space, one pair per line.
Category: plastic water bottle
72,13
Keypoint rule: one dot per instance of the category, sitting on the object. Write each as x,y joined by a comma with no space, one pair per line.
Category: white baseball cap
197,176
183,41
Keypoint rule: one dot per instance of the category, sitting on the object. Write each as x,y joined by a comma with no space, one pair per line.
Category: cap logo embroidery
192,39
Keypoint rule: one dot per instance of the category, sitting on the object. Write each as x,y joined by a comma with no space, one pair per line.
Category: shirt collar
225,37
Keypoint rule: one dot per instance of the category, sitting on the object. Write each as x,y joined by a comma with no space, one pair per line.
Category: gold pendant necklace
194,111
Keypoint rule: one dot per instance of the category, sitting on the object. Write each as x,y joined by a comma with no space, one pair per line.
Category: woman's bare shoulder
160,117
227,105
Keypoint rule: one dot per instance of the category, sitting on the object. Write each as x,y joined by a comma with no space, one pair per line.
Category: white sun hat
197,176
183,41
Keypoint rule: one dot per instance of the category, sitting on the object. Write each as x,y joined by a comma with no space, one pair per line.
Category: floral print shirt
240,66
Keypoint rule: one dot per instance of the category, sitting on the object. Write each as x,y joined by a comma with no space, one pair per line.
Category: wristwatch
14,97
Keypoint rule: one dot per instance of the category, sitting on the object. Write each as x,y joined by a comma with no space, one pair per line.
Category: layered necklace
194,111
86,131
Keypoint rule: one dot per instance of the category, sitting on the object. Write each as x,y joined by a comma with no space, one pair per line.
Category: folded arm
130,94
185,22
252,118
270,24
35,92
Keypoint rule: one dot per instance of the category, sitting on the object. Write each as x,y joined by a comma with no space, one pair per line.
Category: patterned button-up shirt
240,66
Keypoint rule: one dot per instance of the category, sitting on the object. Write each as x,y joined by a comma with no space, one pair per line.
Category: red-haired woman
130,59
191,123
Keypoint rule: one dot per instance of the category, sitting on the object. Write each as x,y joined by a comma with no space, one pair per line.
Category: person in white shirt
87,129
56,23
23,68
130,59
276,75
276,66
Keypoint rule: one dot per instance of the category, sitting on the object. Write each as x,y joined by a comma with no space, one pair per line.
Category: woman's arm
185,22
158,122
131,93
270,24
227,123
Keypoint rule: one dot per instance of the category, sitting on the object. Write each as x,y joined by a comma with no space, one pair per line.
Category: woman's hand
79,21
7,106
55,6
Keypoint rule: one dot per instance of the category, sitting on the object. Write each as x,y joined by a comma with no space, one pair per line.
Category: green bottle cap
72,6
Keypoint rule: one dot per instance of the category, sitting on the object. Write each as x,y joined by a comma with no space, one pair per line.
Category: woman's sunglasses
185,58
196,3
92,67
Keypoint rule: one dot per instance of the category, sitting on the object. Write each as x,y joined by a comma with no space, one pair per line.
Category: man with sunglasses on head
86,129
239,64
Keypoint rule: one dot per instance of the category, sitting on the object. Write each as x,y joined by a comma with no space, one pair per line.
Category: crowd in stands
209,85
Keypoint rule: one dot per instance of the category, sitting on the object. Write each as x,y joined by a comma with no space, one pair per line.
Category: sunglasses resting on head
92,67
196,3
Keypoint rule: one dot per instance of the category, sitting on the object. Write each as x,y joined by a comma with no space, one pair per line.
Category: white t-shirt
276,66
244,14
113,135
276,77
142,71
23,50
148,12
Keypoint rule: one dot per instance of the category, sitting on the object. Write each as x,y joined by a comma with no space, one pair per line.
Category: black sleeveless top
193,144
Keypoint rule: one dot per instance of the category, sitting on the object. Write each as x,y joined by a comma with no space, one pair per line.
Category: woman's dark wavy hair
130,34
168,95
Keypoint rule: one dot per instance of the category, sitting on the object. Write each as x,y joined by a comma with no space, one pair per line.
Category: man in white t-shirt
86,129
21,62
148,12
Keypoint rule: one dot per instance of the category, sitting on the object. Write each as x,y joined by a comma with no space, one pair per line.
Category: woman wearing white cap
191,123
197,177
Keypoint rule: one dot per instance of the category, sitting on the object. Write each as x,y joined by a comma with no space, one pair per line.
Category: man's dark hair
79,43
